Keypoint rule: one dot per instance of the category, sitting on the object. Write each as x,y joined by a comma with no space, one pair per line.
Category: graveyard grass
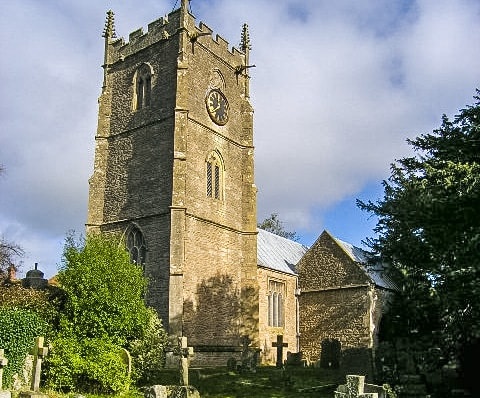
267,382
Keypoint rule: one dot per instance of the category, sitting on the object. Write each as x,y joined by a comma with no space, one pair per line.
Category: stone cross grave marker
249,356
185,353
245,341
3,363
38,352
279,344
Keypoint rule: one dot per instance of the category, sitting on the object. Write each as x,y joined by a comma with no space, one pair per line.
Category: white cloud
337,88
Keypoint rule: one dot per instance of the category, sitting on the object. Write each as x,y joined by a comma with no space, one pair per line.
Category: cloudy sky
338,87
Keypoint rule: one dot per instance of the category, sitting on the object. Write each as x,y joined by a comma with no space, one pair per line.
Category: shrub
18,329
93,365
148,352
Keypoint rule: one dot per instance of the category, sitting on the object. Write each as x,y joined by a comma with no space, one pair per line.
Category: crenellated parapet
217,44
158,30
167,28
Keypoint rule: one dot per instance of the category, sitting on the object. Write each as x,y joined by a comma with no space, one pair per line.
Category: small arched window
136,246
142,89
214,175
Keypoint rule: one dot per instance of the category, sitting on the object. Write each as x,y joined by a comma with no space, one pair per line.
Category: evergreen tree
428,229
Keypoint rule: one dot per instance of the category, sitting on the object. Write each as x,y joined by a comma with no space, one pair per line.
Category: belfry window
142,87
214,175
276,303
136,246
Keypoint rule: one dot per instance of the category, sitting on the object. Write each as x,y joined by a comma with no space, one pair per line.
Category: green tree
428,229
104,290
104,310
274,225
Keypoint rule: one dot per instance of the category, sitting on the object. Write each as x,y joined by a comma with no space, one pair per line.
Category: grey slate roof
374,272
278,253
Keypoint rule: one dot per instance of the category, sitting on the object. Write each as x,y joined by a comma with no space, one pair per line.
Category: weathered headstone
279,344
126,359
357,388
159,391
295,359
232,364
3,363
249,358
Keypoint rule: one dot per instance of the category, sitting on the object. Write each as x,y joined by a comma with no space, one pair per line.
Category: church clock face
217,107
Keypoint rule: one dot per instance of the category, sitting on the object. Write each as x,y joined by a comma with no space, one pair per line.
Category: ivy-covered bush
93,365
18,327
46,303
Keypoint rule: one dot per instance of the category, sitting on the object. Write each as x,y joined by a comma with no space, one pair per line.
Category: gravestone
331,353
295,359
159,391
279,344
232,364
184,352
38,352
249,358
357,388
3,363
126,359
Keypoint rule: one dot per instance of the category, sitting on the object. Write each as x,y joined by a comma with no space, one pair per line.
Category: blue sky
337,89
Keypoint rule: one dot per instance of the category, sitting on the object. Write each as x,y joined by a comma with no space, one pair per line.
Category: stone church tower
174,176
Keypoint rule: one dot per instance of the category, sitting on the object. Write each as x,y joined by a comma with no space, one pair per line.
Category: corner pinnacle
109,30
245,39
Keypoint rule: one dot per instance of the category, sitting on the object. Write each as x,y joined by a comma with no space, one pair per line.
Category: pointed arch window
136,246
276,303
142,89
214,175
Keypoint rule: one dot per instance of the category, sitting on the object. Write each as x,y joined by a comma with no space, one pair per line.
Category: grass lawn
266,382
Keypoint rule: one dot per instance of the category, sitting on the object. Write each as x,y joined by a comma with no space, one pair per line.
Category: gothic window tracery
276,303
136,246
214,175
142,89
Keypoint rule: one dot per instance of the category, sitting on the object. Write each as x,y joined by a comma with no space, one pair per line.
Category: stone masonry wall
268,334
338,304
220,291
334,314
132,179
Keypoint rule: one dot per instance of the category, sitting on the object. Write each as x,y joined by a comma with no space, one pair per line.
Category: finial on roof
109,30
184,5
245,39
